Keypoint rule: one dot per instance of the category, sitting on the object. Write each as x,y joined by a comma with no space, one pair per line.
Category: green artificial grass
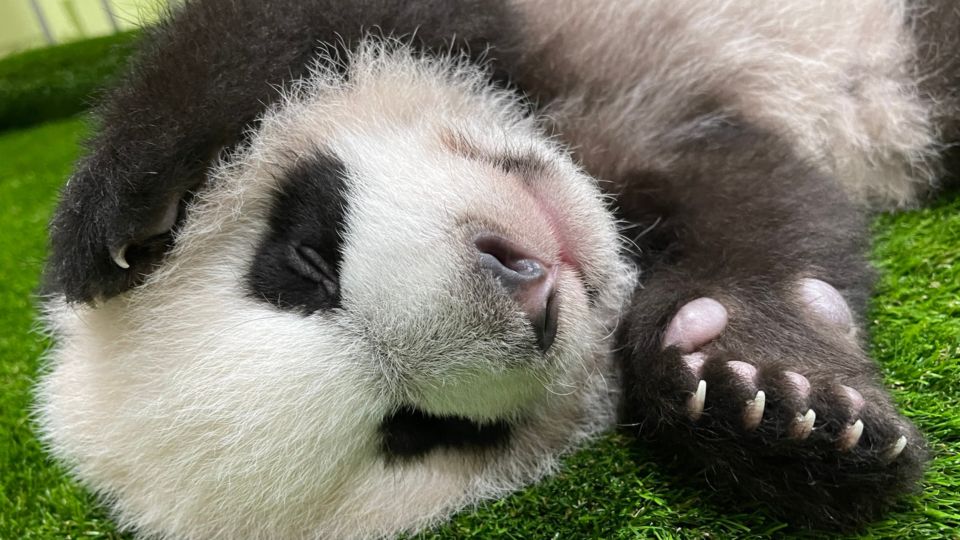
35,501
614,488
56,82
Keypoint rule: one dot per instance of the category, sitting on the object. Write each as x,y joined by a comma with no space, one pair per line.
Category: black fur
936,28
737,216
411,433
200,78
297,265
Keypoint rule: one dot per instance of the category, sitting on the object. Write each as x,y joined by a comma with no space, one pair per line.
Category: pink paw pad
826,302
697,323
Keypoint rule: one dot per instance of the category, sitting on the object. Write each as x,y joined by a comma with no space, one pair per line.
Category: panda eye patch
297,265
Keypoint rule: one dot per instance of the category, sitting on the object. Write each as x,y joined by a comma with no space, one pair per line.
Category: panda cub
312,281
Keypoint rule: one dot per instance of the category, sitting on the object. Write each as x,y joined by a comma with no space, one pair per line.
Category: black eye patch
297,265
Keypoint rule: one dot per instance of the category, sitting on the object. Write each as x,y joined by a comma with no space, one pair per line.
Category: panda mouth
411,433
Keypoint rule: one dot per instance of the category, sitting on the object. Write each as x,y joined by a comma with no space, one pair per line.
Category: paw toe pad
826,302
697,323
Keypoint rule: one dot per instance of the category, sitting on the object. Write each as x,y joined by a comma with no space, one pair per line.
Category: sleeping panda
337,269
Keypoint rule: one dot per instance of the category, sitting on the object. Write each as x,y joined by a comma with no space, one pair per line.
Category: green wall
68,20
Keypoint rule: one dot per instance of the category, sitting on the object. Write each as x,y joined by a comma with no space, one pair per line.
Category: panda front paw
783,401
109,231
777,400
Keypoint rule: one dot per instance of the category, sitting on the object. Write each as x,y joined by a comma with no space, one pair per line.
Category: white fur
198,411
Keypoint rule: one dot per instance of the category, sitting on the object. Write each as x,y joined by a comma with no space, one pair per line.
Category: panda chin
411,433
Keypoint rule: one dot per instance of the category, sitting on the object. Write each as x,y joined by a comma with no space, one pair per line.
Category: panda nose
530,281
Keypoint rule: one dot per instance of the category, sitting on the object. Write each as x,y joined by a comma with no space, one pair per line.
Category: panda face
395,300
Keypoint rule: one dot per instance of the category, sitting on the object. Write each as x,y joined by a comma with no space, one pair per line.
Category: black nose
527,279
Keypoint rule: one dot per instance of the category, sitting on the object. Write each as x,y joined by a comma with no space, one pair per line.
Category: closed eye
297,265
305,261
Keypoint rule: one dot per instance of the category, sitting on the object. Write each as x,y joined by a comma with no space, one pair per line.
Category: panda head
394,300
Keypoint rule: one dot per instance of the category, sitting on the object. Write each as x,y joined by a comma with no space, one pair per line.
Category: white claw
803,425
696,401
120,257
894,451
851,436
753,414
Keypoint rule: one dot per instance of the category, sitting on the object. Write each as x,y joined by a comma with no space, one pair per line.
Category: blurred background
26,24
56,54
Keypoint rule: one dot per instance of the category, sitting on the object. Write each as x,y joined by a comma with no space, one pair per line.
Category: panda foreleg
741,349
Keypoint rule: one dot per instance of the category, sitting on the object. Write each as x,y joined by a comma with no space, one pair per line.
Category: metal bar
38,11
108,9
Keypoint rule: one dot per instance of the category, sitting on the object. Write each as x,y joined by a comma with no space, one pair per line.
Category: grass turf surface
613,489
54,82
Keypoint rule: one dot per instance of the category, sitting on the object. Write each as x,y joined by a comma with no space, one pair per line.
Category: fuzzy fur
835,79
743,142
